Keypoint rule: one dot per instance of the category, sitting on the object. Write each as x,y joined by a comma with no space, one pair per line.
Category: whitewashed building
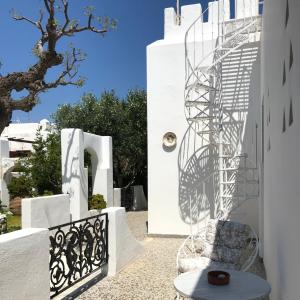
22,135
16,141
223,126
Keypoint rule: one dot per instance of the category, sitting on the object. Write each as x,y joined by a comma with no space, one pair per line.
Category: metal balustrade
77,249
212,145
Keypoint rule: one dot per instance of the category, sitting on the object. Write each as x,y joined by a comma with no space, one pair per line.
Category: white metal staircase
234,176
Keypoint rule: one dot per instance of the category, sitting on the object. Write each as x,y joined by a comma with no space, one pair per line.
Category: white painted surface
122,246
117,197
24,265
246,8
45,212
281,161
26,131
166,112
139,199
242,285
5,165
74,142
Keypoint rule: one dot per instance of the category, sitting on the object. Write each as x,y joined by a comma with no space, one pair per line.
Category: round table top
242,285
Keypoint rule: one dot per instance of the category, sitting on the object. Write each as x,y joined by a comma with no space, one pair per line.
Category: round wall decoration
169,139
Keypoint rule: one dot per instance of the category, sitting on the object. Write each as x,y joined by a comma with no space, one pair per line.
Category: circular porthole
169,140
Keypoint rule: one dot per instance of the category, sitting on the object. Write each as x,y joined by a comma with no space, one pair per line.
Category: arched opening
90,165
88,168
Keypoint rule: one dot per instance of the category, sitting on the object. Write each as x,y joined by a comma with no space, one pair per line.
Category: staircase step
198,85
234,156
196,103
233,196
206,131
232,169
240,196
240,181
202,118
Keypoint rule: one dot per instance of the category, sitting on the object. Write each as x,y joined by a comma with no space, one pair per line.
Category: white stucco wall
5,164
26,131
281,148
165,108
24,265
166,112
122,245
165,93
74,176
45,212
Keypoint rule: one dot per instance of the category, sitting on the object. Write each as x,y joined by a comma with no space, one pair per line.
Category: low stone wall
45,212
122,245
24,254
24,265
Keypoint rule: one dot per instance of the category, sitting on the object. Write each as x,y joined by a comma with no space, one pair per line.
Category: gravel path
151,275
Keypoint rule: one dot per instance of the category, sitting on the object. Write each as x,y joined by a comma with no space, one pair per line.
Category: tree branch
66,13
33,80
25,104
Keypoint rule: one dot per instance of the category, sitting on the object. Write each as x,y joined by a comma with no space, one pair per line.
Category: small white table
242,286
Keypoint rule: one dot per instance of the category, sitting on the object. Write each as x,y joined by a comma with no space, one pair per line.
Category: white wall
281,155
165,94
122,245
26,131
5,164
165,108
74,176
45,212
168,210
24,265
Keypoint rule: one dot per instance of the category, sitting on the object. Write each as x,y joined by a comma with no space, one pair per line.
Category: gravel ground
151,275
137,223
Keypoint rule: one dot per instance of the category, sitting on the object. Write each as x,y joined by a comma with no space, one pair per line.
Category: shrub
20,187
97,202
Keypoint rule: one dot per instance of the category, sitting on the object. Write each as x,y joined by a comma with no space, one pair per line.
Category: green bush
20,187
97,202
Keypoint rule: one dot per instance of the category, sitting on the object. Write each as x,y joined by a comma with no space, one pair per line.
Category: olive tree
125,120
54,24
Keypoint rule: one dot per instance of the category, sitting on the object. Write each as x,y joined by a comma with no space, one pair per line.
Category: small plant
48,193
97,202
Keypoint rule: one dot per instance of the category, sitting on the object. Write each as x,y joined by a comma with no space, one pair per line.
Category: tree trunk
5,114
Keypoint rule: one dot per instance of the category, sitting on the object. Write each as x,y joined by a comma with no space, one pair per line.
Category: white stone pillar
246,8
74,181
122,245
4,160
117,197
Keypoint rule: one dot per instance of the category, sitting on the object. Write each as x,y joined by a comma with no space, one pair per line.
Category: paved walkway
151,275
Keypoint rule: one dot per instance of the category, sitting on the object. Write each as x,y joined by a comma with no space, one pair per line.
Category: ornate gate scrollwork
76,250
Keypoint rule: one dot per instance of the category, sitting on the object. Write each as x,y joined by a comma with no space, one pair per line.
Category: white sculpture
74,176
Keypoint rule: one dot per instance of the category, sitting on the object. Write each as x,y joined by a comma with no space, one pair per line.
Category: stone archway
74,175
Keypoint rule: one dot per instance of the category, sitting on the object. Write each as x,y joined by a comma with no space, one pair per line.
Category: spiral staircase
211,154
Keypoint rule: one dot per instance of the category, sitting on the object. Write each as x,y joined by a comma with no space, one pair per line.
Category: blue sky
117,61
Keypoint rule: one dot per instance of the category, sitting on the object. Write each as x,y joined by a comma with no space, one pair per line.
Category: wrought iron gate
77,249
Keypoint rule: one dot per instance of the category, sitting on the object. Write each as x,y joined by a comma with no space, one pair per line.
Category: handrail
191,26
243,28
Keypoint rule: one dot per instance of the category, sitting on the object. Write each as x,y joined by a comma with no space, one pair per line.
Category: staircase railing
205,114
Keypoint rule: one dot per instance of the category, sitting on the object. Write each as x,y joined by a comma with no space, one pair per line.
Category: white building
16,141
240,76
22,135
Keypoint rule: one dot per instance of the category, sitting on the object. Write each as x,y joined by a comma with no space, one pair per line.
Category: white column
74,181
246,8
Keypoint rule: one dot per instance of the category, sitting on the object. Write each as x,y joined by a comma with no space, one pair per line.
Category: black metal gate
77,249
